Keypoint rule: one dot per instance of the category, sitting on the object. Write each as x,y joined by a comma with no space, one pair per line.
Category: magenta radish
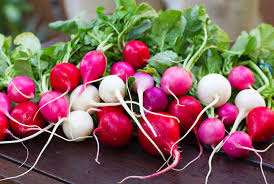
260,124
111,90
211,131
4,125
238,145
187,111
64,77
104,110
24,113
143,81
115,130
136,53
21,89
92,66
123,70
155,99
228,113
241,77
168,132
176,81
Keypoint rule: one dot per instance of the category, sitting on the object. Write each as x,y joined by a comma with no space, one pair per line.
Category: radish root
178,103
98,145
21,93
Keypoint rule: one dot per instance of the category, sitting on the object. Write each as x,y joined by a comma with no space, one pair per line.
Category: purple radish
21,89
155,99
228,113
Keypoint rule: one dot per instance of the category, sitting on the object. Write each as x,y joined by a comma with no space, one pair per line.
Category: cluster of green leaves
185,38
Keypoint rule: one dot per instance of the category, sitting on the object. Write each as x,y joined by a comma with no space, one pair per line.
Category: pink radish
24,113
241,77
21,89
104,110
211,131
238,145
187,111
168,132
115,130
260,124
92,66
64,77
228,113
155,99
143,81
136,53
123,70
176,81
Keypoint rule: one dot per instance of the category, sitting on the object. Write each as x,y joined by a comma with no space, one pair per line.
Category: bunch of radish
167,112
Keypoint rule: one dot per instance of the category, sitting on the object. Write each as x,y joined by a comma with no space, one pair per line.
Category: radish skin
241,77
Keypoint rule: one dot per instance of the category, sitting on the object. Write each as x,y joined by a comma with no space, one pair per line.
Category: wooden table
66,162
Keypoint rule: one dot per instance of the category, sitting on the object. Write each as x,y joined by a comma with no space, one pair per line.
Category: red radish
211,131
24,113
4,125
104,110
168,132
241,77
260,124
228,113
136,53
64,77
21,89
176,80
55,110
155,99
187,111
123,70
92,66
143,81
115,130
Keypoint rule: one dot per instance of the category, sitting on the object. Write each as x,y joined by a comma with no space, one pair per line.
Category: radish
228,113
24,113
115,130
64,77
104,110
176,81
21,89
136,53
92,66
86,99
245,101
111,90
168,132
4,126
143,81
238,145
5,108
123,70
260,124
155,99
187,111
211,131
241,77
78,124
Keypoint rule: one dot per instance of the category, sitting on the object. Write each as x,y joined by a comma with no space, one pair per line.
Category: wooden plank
74,162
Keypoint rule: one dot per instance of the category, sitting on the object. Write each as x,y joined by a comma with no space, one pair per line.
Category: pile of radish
226,110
